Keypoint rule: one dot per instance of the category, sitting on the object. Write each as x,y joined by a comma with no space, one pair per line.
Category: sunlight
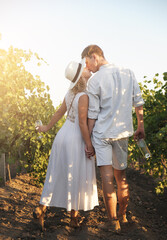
50,178
70,177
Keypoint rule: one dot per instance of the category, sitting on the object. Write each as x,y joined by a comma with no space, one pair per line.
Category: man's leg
122,192
109,193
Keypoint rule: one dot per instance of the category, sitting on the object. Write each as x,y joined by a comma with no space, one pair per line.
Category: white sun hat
73,72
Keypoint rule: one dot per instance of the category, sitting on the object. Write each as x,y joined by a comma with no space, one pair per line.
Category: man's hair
88,51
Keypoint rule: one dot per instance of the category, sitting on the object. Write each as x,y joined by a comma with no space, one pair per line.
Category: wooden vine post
2,169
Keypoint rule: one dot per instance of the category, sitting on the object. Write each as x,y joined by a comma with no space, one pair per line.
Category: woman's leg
39,214
74,218
39,210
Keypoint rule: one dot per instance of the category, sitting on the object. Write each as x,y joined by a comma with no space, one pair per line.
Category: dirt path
147,213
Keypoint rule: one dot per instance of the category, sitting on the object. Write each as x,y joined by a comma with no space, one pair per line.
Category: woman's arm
83,114
91,123
56,117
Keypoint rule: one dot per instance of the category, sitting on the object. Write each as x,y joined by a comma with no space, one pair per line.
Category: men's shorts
111,152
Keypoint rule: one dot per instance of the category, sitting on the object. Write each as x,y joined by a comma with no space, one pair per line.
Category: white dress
71,178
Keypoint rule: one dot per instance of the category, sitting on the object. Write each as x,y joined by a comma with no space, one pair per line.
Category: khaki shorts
111,152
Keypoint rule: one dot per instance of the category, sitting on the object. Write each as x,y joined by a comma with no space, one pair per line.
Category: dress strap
70,105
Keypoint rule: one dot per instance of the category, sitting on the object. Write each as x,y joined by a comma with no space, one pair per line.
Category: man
112,94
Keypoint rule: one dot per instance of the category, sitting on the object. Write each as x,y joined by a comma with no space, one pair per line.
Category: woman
71,179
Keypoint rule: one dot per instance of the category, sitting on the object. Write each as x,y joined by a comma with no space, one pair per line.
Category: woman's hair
89,50
80,86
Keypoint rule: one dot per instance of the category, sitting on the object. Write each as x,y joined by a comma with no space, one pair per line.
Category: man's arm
140,124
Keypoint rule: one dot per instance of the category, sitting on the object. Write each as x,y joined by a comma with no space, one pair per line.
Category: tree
24,99
155,121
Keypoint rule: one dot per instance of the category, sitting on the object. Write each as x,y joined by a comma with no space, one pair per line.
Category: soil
147,213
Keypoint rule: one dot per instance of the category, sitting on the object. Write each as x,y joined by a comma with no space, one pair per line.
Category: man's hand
89,150
140,133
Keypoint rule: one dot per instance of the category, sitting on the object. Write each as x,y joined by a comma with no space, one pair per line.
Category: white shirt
112,92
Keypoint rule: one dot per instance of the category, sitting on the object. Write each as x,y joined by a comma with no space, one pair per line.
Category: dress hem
51,205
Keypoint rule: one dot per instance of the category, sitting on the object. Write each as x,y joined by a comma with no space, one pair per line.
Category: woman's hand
43,128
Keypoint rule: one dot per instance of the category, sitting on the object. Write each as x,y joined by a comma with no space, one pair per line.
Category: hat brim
82,67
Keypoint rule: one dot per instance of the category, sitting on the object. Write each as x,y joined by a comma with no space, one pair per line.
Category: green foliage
155,121
23,100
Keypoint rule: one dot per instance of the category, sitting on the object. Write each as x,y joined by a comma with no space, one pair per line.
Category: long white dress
71,178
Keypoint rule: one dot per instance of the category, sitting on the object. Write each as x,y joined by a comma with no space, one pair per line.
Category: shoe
39,214
111,226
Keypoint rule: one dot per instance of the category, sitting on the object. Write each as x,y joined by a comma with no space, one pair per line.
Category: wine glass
37,124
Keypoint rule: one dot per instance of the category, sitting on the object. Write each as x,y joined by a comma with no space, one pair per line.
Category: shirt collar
106,65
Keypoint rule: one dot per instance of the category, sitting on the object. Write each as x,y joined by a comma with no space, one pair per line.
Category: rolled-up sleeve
94,102
137,96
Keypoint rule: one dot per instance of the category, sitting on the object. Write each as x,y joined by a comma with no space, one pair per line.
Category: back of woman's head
80,86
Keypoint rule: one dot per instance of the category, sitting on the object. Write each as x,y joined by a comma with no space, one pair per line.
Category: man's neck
102,62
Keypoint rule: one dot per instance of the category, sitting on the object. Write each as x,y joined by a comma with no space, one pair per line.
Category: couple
99,121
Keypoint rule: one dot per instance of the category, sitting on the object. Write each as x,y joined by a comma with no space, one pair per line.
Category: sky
132,33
